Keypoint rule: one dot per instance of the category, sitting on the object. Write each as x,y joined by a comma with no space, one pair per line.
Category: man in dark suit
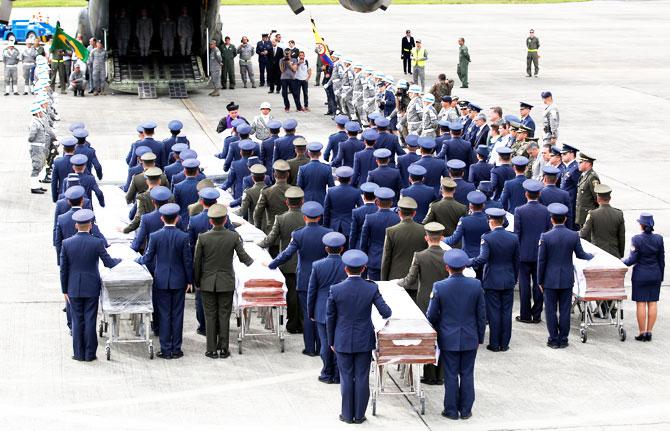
530,221
402,241
555,274
570,179
168,248
214,275
80,283
325,273
406,52
275,56
264,52
481,134
458,314
499,254
348,311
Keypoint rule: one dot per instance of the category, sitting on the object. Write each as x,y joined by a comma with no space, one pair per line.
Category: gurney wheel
100,330
108,352
374,407
151,352
622,334
281,345
239,346
423,405
582,335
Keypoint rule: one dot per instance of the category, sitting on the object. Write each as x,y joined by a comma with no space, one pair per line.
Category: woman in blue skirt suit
648,256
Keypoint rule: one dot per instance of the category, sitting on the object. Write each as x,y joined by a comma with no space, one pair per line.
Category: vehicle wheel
11,38
582,335
108,352
151,352
239,346
281,345
31,33
622,334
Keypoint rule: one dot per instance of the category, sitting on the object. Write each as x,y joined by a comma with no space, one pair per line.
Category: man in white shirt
302,75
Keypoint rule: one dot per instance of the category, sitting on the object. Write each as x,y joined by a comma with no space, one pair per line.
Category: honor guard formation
453,202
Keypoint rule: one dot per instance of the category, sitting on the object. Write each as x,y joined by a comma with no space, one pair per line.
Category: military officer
335,139
151,221
463,62
325,273
131,156
429,116
570,179
532,57
144,30
284,148
80,283
281,232
138,183
526,119
414,113
65,225
62,167
347,149
486,188
513,194
404,161
457,312
169,251
530,221
228,53
299,160
28,57
471,227
604,226
11,58
215,67
148,141
86,180
435,168
233,154
185,192
175,127
550,118
426,269
499,254
272,201
457,148
422,194
246,51
348,312
239,168
85,148
315,177
586,194
196,208
63,205
456,171
358,215
307,242
550,193
152,177
340,202
401,242
364,160
447,211
214,276
374,230
555,274
181,176
268,145
385,175
253,194
122,32
98,60
175,167
388,140
185,32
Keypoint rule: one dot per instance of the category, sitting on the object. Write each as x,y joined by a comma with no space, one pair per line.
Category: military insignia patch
431,295
539,242
595,183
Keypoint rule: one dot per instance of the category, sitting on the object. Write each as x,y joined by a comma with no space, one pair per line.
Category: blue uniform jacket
235,155
181,176
470,229
63,206
267,152
238,171
530,221
387,176
325,273
226,146
61,167
391,143
513,195
499,175
169,250
87,181
441,145
460,149
357,220
168,155
551,194
333,145
338,206
462,189
435,170
403,164
185,194
554,259
570,181
131,158
65,228
307,241
156,148
423,195
284,149
132,171
648,255
79,275
364,162
499,254
457,312
389,102
480,171
528,122
92,162
313,178
373,235
346,151
172,169
349,309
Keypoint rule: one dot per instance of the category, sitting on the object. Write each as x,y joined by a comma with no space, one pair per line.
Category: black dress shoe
178,354
430,382
271,91
224,354
453,418
641,337
77,359
326,381
552,345
648,338
346,421
466,416
164,355
37,191
361,420
95,358
310,354
213,355
504,349
536,321
519,319
563,345
492,348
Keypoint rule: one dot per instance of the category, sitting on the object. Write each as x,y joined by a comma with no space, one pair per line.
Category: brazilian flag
64,41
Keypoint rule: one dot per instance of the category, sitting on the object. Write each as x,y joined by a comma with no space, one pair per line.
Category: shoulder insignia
540,242
595,182
588,216
632,248
483,241
431,294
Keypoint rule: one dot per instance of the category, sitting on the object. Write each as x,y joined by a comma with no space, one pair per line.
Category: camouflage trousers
38,158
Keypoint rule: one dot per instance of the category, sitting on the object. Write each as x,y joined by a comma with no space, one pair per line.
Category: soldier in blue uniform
530,222
307,242
499,254
80,283
62,167
440,141
63,204
551,193
435,168
244,133
480,171
458,314
340,202
85,148
421,193
181,176
456,171
233,137
268,145
388,140
458,148
374,230
471,227
570,179
175,167
335,139
347,149
138,168
406,160
284,148
385,175
151,222
185,192
315,176
239,168
131,153
348,311
358,215
86,180
486,188
149,141
325,273
555,274
175,127
364,160
169,250
502,172
513,194
65,224
526,119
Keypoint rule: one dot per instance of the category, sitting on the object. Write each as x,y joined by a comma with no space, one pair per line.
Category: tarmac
605,62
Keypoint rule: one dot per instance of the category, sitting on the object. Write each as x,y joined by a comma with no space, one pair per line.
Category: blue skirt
646,291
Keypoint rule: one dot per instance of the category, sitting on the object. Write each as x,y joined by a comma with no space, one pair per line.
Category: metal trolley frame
141,326
410,380
270,315
611,305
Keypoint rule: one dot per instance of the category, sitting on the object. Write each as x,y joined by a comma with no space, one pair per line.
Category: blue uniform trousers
329,371
171,319
529,293
309,333
374,274
558,327
459,381
499,314
199,311
354,383
68,315
84,313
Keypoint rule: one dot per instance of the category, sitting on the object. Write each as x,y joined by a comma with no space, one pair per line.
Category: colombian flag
321,46
62,40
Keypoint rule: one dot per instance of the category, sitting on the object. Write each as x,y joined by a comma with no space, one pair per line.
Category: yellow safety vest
418,54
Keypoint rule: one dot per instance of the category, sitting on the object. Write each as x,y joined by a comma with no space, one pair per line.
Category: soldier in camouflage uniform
335,81
347,90
357,93
532,44
215,63
122,32
144,30
38,139
272,201
429,117
28,61
550,119
11,58
98,61
520,145
253,194
185,32
586,194
369,93
414,114
245,51
168,30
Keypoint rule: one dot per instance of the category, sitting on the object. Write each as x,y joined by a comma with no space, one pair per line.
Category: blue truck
19,30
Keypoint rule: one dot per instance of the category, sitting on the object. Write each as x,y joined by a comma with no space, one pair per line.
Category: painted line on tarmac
203,123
